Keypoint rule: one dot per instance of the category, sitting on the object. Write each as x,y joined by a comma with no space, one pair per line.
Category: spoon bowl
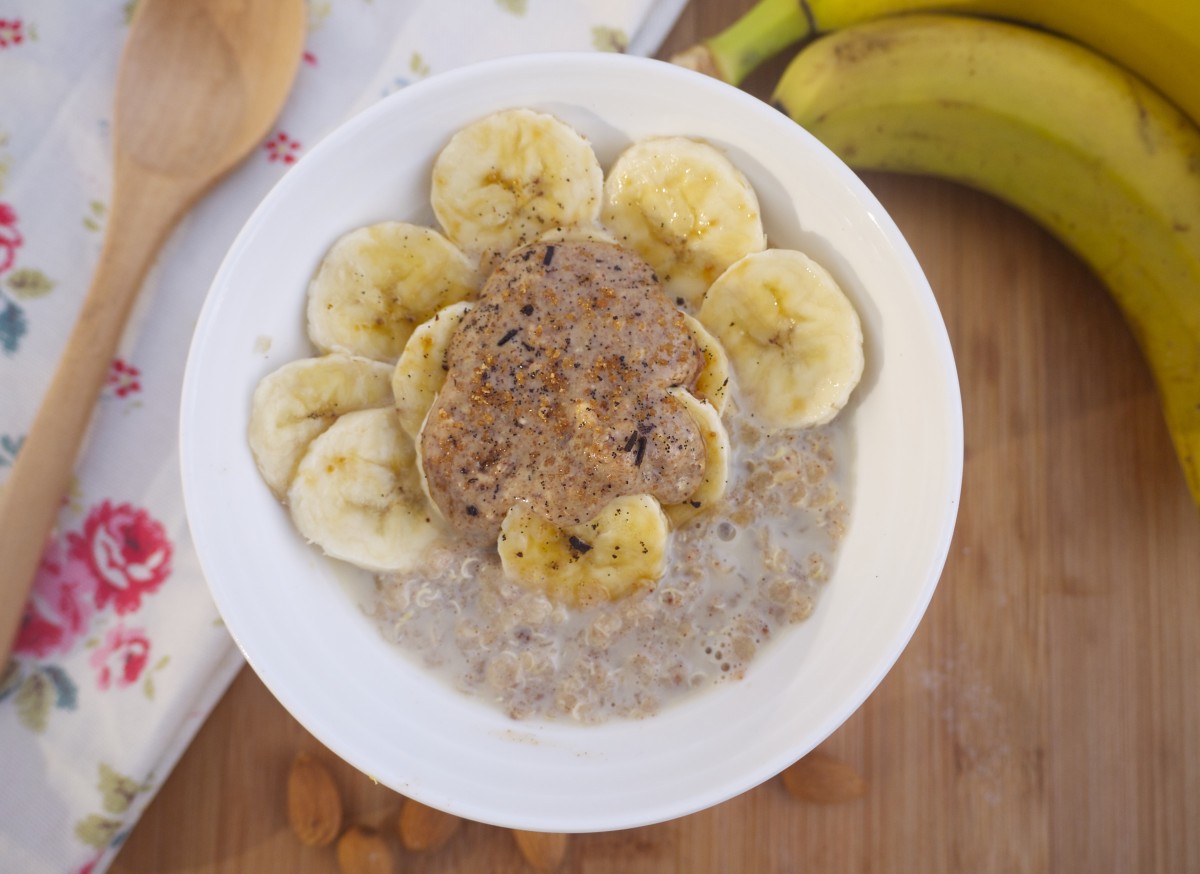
224,66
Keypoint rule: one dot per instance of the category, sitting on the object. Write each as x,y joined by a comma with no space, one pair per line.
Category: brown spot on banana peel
1145,124
856,51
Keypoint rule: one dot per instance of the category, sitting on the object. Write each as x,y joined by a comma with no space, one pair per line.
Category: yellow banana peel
1083,147
1157,39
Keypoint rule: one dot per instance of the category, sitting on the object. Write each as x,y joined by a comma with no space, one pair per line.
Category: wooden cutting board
1046,715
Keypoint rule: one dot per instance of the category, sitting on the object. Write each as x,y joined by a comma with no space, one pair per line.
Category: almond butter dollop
556,392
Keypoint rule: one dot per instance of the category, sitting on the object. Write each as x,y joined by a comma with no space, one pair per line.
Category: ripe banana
295,403
511,177
1088,150
791,334
357,494
622,549
377,283
421,370
712,383
684,207
1157,39
716,460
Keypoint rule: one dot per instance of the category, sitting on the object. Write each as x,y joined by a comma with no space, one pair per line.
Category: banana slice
421,370
377,283
357,494
295,403
712,383
623,548
685,208
716,460
793,337
506,179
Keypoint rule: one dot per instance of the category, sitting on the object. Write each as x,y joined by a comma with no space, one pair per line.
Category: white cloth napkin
122,655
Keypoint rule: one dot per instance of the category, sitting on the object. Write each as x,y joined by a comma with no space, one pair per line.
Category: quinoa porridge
736,578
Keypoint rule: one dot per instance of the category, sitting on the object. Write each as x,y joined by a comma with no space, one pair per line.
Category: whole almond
313,804
822,779
544,851
425,828
362,850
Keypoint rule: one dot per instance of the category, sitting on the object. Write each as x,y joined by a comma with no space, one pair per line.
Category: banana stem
767,28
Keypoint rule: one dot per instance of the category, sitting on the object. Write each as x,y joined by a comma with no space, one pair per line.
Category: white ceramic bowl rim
291,611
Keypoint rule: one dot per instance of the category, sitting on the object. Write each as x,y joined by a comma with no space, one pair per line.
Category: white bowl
293,614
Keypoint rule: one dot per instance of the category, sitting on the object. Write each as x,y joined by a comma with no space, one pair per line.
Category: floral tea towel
121,654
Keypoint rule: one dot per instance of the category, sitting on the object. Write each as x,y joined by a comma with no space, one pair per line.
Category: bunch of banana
1159,40
1080,144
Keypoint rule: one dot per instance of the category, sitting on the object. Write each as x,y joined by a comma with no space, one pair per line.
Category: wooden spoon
199,84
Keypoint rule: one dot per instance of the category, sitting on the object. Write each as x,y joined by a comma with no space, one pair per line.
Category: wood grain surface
1045,716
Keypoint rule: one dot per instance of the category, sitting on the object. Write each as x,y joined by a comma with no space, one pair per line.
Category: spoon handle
141,217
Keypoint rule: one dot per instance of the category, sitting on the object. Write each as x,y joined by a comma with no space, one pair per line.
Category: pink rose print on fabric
282,148
60,606
121,657
127,551
123,378
10,237
12,32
